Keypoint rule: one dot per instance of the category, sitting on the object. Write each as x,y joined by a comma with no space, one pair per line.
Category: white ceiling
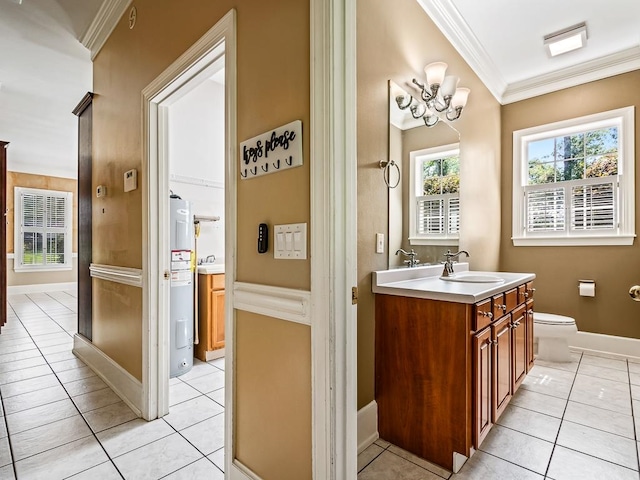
44,72
502,40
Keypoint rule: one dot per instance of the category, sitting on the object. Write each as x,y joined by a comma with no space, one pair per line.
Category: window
434,204
573,181
42,229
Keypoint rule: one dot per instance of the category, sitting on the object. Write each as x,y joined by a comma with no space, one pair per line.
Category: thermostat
130,180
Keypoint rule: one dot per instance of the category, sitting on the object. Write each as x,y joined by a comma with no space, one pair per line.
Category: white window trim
414,182
624,118
18,266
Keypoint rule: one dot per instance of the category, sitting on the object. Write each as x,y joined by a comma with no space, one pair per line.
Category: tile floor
59,420
578,421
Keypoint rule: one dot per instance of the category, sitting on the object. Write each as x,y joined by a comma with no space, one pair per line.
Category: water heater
181,290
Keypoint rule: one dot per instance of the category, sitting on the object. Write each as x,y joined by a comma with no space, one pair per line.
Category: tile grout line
555,442
633,418
4,411
69,396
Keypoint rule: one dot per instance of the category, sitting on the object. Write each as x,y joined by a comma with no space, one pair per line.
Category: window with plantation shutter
42,229
573,181
434,206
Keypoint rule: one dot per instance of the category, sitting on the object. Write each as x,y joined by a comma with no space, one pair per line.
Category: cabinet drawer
511,299
482,315
525,292
499,307
217,282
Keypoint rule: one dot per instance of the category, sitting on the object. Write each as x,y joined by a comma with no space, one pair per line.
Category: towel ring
386,165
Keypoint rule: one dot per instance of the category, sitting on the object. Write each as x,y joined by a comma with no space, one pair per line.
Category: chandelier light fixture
440,96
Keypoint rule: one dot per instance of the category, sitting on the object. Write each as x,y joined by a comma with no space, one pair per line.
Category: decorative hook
277,167
289,161
265,168
244,175
254,171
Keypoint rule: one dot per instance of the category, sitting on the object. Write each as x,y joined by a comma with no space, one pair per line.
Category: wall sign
272,151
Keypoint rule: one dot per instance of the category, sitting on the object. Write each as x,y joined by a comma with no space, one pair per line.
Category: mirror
406,135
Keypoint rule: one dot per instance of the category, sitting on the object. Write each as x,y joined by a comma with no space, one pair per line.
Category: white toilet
553,333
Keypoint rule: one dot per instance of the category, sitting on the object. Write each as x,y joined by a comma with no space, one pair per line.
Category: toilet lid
552,319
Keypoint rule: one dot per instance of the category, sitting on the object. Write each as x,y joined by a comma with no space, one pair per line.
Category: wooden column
84,111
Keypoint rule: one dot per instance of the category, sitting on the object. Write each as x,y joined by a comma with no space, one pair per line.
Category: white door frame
334,238
189,67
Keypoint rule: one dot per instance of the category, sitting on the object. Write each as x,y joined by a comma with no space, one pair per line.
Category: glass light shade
449,85
418,109
460,97
435,72
404,100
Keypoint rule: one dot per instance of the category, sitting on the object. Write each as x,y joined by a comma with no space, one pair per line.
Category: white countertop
424,282
210,268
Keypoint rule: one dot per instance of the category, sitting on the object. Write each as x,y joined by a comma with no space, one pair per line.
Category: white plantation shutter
44,236
454,214
587,205
430,216
545,209
438,214
593,206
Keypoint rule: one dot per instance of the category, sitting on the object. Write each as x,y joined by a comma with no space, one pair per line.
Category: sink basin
473,278
211,268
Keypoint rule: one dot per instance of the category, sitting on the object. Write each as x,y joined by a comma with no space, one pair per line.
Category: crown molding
103,24
603,67
447,18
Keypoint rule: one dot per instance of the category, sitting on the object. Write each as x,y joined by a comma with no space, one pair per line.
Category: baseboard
41,287
125,385
609,344
240,472
214,354
367,425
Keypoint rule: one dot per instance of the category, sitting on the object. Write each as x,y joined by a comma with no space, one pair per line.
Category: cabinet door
529,318
482,374
501,332
217,321
519,346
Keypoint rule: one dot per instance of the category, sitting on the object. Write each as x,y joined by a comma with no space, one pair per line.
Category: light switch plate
130,180
379,242
290,241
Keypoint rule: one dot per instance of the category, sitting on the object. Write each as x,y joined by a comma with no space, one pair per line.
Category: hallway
59,420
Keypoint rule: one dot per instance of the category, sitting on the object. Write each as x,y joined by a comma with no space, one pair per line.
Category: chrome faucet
413,261
448,264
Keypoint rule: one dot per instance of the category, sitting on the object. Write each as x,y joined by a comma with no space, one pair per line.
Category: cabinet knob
503,307
495,342
487,314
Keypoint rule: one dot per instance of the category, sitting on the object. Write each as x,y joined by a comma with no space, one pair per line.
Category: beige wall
270,409
395,41
18,179
558,269
272,89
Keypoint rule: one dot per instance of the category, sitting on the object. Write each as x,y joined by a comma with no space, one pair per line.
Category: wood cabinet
445,371
211,314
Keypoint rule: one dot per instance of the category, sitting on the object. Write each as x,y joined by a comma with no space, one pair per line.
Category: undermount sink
472,278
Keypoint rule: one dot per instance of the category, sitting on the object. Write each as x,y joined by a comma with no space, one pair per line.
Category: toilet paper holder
587,288
634,293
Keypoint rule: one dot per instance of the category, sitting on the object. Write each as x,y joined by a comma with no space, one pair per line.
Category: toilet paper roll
587,289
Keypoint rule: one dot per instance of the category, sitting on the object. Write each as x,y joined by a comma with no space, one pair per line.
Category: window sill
434,241
573,241
65,268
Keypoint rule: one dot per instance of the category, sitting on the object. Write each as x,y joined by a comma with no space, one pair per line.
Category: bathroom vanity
210,314
450,353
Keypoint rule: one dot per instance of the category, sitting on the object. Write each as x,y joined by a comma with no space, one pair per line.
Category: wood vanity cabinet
508,340
445,371
211,314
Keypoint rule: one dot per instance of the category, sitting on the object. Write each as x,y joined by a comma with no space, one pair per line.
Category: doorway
208,65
